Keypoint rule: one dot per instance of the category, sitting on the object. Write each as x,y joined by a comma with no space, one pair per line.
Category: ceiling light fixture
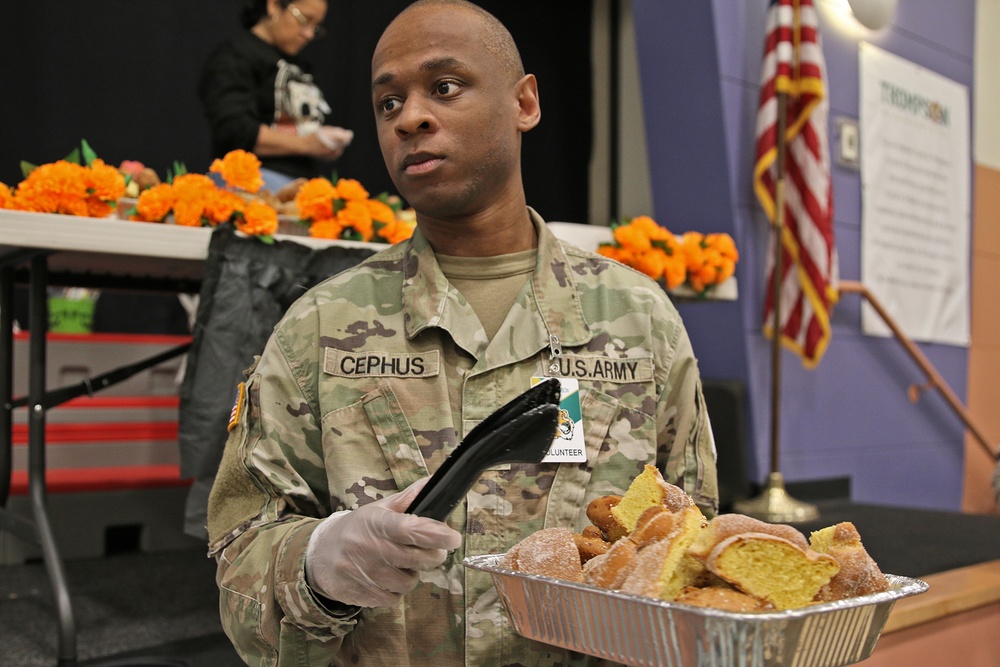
873,14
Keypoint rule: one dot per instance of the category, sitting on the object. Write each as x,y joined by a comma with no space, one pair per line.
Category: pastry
772,569
599,513
663,568
590,544
646,490
551,552
612,568
720,597
859,574
727,525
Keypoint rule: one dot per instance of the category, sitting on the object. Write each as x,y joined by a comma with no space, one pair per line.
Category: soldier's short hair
496,38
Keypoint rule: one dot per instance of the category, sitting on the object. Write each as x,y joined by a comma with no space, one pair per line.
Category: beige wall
983,397
635,192
984,353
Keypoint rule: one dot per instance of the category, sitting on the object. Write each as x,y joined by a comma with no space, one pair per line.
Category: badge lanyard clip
555,350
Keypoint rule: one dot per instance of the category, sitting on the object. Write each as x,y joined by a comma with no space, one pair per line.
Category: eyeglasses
303,20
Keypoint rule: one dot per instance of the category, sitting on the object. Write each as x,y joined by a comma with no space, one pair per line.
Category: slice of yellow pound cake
772,569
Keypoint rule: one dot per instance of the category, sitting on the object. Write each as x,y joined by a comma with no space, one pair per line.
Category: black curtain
121,74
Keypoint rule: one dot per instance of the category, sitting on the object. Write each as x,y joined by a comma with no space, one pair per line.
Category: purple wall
700,66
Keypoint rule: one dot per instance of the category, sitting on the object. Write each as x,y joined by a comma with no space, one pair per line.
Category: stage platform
914,542
956,621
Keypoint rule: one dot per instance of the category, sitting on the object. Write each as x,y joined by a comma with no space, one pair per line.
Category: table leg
38,315
6,380
9,521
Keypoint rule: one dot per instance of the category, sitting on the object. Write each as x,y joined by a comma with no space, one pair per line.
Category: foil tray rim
900,587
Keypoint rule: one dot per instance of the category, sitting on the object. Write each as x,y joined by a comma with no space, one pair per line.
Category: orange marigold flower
724,244
27,200
192,185
614,252
380,211
325,228
669,244
693,247
70,206
6,196
355,215
188,212
315,199
349,189
727,268
674,272
98,208
397,230
57,187
693,240
696,259
706,275
104,181
404,231
652,263
650,228
154,204
258,219
632,238
220,206
239,169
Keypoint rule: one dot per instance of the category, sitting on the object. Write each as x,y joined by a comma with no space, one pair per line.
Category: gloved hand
370,557
335,138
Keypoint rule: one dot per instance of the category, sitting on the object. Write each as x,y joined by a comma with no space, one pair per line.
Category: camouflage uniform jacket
367,384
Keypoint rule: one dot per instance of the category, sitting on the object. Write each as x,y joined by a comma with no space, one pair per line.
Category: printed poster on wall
915,184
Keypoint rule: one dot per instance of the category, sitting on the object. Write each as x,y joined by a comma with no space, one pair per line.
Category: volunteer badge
568,445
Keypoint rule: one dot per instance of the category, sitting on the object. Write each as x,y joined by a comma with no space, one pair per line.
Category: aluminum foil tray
643,631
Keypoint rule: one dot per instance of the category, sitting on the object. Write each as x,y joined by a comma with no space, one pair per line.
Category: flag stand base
774,505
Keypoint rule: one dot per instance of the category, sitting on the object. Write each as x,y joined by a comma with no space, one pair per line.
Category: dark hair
255,10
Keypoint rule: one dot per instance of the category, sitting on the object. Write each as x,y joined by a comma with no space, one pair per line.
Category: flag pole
774,505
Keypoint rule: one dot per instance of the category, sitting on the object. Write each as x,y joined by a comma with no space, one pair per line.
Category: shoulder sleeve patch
234,415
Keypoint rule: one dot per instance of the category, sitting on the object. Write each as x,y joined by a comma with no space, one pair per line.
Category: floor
132,607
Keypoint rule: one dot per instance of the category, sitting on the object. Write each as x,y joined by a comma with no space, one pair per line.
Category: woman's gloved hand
370,557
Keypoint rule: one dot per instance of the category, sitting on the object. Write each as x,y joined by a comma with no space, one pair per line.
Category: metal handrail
934,379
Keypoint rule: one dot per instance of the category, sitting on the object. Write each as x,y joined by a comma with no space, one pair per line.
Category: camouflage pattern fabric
368,383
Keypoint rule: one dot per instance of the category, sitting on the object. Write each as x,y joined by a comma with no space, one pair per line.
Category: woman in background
259,96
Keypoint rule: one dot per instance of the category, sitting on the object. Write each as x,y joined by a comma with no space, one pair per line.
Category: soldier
375,375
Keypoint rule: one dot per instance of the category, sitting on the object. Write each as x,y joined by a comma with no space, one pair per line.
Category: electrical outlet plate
848,146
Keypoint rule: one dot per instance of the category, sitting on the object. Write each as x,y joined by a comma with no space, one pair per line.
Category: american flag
793,64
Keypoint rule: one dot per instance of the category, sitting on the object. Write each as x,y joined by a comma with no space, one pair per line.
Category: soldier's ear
529,109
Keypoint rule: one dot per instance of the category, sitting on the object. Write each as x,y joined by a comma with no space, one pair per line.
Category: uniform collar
551,308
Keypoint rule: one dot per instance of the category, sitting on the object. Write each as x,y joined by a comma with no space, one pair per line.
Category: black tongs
519,432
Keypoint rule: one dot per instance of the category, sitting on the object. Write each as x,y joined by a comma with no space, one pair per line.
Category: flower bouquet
695,260
335,211
80,184
83,185
195,200
346,211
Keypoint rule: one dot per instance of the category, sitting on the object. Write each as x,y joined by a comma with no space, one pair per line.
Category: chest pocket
620,441
374,449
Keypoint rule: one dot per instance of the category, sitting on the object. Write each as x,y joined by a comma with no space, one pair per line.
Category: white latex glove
371,556
335,138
